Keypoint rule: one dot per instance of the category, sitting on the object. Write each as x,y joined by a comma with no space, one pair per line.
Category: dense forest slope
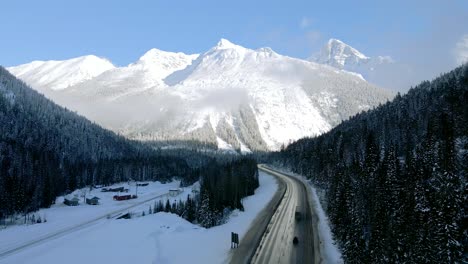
47,150
395,177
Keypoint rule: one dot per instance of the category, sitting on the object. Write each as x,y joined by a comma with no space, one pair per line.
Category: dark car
295,240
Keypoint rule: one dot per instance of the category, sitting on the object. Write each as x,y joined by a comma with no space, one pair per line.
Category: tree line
222,188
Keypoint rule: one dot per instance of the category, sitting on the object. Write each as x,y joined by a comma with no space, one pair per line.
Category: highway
270,237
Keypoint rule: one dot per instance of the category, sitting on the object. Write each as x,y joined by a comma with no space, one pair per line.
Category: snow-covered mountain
229,96
146,73
340,55
58,75
344,57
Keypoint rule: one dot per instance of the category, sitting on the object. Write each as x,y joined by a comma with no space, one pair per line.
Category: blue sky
124,30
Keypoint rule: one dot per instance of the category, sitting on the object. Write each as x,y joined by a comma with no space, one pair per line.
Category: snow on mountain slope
58,75
88,76
161,63
230,96
229,75
276,89
148,72
344,57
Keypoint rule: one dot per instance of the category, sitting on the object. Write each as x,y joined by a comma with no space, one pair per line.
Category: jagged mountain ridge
230,96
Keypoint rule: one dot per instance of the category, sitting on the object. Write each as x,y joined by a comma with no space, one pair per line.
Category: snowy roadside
328,247
158,238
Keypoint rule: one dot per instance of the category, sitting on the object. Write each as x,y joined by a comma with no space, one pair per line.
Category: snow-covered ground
328,247
62,217
157,238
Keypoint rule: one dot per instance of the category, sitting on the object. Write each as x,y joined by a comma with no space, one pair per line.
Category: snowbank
329,250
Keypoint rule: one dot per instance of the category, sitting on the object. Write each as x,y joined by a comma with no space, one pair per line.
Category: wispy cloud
461,50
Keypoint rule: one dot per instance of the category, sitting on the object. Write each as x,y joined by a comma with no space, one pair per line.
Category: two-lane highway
276,241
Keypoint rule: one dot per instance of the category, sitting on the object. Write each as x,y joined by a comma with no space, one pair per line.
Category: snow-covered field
62,217
157,238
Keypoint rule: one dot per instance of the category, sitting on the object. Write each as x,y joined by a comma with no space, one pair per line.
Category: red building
124,197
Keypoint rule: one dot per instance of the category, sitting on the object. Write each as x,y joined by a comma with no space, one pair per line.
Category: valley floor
157,238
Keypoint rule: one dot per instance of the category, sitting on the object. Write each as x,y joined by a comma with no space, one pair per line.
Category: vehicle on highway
298,214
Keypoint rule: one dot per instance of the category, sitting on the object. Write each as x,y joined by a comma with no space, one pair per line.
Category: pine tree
190,210
205,215
167,207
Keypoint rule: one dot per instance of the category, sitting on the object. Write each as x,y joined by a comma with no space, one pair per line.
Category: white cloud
461,50
305,22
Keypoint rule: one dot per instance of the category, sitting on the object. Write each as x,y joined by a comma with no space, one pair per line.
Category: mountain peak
158,63
154,55
336,41
226,44
342,56
341,52
151,53
338,54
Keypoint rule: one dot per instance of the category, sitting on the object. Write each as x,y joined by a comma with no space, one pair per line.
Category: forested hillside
395,177
46,151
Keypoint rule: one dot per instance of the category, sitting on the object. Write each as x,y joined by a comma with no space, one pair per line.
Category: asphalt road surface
273,242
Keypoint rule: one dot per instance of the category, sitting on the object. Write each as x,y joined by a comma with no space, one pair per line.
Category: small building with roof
93,201
71,201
